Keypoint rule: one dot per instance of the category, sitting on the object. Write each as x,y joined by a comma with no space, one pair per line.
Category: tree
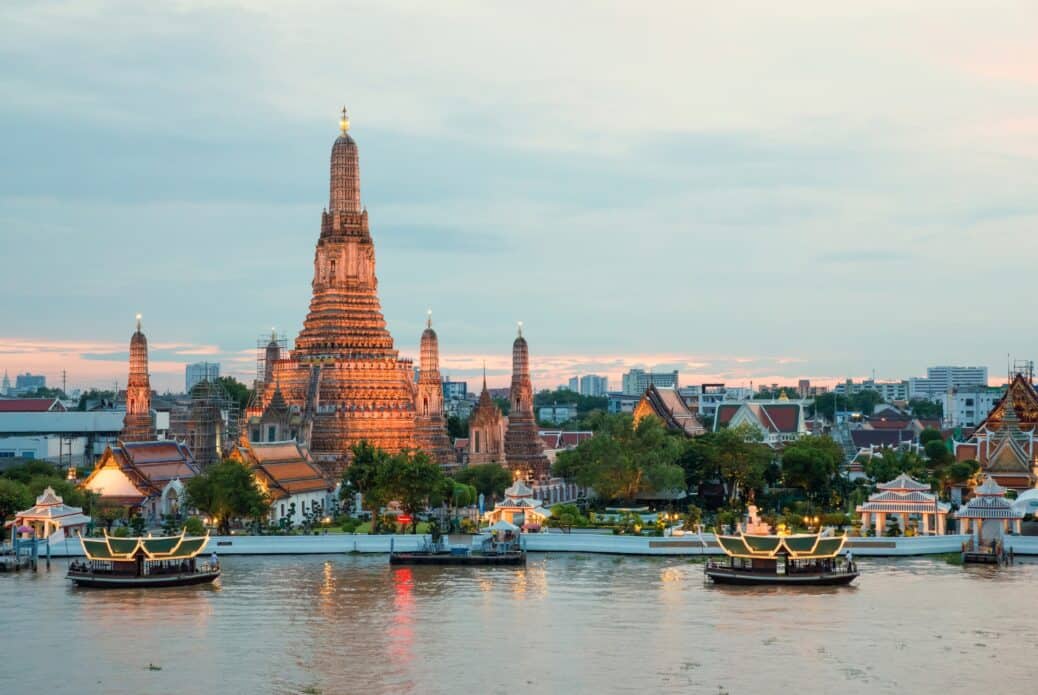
364,476
928,410
94,395
238,392
489,479
45,392
887,464
938,453
225,491
624,461
456,427
412,478
930,435
811,463
14,497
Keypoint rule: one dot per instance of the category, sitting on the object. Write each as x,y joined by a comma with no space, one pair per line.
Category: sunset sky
744,191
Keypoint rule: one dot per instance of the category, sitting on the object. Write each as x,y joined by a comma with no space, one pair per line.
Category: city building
5,385
297,488
455,390
63,438
430,423
939,379
889,391
1004,443
557,413
593,385
967,406
27,383
908,501
637,380
618,402
344,374
32,405
573,384
147,477
667,405
524,452
138,425
779,421
202,371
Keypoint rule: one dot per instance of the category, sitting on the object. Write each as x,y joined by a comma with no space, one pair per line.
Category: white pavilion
904,499
989,515
52,519
519,507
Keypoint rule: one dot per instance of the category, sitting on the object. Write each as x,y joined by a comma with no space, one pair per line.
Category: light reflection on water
566,623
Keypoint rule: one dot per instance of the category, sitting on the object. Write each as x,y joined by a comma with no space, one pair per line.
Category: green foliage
225,491
107,514
864,402
45,392
623,461
693,518
929,410
194,526
567,516
735,456
463,495
504,405
121,532
585,404
137,525
961,471
14,497
94,395
350,524
889,463
238,391
930,435
938,453
489,479
456,427
811,464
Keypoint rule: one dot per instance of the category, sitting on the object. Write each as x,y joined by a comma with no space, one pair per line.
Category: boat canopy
181,547
807,546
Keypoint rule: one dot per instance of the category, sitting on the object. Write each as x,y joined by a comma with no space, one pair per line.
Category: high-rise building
593,385
573,384
430,424
28,383
939,379
345,377
524,450
137,425
200,371
636,381
454,390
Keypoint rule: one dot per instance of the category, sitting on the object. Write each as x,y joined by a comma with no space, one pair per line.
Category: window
477,441
255,434
272,433
28,454
6,454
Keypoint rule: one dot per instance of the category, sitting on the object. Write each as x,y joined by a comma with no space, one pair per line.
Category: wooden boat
142,562
795,560
493,551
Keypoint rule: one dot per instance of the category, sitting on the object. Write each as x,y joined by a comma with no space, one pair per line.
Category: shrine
906,500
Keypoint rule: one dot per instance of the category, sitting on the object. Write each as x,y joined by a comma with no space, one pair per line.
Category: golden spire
138,323
520,329
344,122
428,319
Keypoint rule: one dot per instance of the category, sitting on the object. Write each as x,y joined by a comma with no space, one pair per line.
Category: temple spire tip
344,121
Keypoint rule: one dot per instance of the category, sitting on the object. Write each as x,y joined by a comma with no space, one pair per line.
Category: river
568,623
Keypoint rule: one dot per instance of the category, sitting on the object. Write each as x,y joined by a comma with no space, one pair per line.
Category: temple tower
524,450
430,424
486,429
271,354
344,377
137,425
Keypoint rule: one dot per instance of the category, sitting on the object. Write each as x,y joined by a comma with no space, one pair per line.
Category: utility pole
64,377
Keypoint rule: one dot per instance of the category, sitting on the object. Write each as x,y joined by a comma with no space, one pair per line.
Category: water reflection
574,623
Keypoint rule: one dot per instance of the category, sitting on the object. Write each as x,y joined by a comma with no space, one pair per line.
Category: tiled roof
30,405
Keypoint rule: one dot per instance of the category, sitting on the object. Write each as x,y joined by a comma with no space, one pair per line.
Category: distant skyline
742,193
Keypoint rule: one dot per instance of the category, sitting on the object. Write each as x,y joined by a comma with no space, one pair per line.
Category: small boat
150,561
794,560
495,550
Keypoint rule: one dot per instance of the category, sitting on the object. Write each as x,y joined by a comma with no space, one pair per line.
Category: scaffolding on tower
209,423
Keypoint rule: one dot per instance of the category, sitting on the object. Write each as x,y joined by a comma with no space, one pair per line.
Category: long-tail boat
808,559
148,561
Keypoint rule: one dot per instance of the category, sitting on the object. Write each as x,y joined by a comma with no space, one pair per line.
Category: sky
744,191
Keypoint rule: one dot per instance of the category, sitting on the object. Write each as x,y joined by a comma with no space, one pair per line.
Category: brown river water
568,623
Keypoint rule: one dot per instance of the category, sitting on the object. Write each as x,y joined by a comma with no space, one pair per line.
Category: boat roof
180,547
804,546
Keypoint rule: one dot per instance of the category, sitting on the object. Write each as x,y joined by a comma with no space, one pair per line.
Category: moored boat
794,560
142,562
501,548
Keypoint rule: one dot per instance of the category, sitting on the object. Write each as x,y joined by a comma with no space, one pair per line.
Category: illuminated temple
344,379
137,425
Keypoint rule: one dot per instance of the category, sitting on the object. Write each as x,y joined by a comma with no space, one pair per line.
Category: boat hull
102,581
723,575
449,560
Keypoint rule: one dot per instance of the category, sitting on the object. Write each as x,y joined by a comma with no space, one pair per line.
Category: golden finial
520,329
344,122
138,323
428,319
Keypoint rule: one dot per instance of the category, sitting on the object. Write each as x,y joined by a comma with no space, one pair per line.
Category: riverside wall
689,545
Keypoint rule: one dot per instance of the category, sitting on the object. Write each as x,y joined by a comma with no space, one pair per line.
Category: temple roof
667,404
903,482
283,468
146,468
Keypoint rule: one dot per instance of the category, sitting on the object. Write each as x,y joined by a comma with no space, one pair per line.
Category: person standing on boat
850,560
214,562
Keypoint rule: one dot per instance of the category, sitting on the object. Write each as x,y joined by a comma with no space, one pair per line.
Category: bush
121,532
469,526
194,526
350,524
